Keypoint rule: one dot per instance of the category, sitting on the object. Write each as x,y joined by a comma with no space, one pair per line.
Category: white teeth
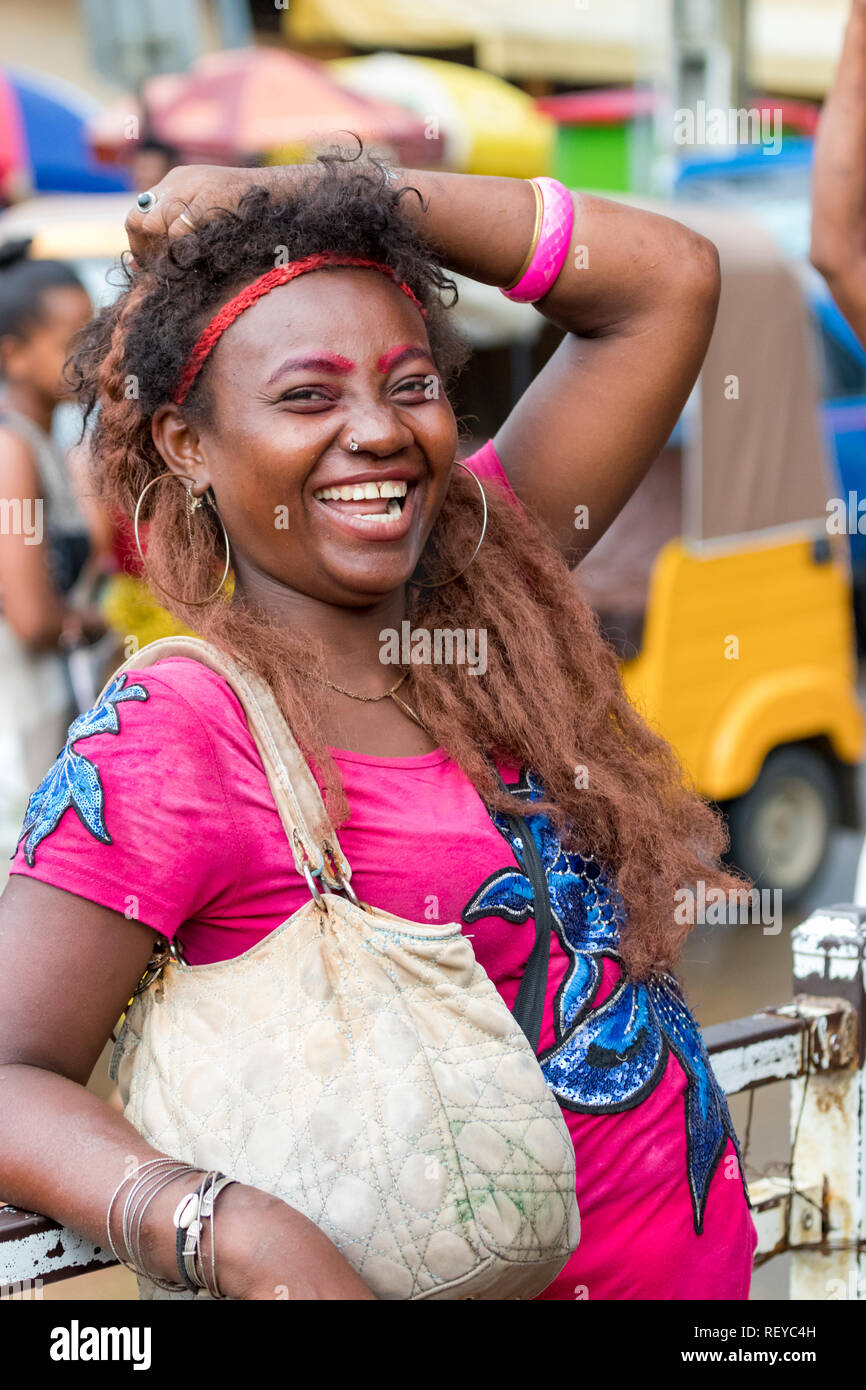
362,492
394,509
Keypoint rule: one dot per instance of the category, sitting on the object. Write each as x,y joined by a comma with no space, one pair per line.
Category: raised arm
839,179
636,299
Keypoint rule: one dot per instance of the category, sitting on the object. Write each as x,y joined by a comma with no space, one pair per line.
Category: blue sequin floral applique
607,1059
74,780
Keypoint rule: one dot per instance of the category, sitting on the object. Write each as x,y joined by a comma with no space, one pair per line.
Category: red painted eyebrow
395,355
322,362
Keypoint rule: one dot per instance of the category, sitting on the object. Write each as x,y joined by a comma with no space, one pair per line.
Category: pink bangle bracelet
557,222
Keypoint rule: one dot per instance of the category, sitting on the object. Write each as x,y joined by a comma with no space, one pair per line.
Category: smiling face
334,356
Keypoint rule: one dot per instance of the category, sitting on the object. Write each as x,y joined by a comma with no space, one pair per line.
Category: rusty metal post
827,1112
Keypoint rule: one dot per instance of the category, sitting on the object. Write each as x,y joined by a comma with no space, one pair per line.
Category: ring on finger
188,222
147,201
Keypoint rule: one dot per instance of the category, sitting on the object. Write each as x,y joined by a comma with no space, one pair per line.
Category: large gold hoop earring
437,584
192,503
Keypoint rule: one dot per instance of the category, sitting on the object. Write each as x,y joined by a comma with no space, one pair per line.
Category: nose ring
353,446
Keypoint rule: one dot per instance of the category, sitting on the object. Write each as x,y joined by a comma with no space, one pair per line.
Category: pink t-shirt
187,839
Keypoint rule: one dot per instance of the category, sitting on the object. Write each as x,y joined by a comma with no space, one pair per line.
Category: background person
151,160
44,542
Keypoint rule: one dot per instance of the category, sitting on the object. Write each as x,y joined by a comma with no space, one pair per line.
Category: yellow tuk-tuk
723,590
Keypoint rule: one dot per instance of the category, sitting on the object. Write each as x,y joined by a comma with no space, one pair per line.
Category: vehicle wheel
780,830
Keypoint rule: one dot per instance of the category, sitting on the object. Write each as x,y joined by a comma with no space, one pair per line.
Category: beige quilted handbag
360,1066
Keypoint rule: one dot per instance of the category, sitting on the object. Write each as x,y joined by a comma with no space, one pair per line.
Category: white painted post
828,951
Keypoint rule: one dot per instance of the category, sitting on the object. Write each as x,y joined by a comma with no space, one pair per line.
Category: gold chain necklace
367,699
386,695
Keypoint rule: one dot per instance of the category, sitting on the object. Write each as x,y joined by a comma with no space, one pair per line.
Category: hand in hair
198,190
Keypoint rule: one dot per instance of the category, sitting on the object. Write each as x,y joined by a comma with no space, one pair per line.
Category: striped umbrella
260,103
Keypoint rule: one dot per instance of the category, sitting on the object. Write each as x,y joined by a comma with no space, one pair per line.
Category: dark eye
414,383
304,394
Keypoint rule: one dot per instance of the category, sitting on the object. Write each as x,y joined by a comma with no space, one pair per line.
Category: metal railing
817,1042
816,1211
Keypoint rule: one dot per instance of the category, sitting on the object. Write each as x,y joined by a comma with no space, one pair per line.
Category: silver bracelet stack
192,1212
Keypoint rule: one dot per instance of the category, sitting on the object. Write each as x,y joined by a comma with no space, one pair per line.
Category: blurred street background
706,109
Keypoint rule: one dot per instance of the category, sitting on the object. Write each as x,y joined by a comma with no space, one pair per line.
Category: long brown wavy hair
551,698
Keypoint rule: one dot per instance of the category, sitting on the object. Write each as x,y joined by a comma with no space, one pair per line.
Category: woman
43,537
281,398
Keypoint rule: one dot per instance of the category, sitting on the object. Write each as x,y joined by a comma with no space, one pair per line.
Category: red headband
245,299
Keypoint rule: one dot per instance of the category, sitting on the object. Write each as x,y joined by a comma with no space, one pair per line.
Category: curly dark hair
552,698
332,206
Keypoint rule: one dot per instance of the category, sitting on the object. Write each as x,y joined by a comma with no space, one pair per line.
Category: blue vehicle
843,391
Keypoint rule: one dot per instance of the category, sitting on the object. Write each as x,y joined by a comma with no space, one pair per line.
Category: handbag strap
528,1009
313,840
